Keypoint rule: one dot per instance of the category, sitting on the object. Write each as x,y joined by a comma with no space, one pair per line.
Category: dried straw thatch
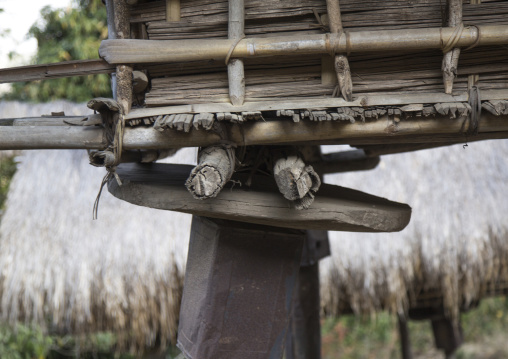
455,249
124,271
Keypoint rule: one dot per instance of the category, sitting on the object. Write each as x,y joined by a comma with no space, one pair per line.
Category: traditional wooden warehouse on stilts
258,86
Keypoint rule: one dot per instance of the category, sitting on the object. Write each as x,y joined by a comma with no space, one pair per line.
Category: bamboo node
477,41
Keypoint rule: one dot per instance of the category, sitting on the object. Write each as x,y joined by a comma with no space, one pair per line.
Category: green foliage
3,32
68,34
7,170
352,337
23,343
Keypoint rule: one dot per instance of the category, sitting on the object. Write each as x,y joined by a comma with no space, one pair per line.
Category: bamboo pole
451,58
157,51
473,79
340,61
236,73
173,12
383,131
119,30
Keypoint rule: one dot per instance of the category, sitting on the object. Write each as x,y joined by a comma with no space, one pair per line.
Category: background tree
74,33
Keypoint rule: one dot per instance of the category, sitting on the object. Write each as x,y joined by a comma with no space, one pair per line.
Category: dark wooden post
304,339
447,335
239,285
405,342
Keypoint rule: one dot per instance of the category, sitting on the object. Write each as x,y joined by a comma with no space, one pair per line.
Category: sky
19,16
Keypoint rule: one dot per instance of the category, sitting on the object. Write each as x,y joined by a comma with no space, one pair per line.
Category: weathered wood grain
162,186
297,181
55,70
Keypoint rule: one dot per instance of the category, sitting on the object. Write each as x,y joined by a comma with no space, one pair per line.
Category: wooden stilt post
305,330
239,283
405,342
451,57
447,335
236,73
304,341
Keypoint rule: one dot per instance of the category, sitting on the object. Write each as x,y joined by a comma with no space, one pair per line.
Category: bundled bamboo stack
296,77
311,76
209,18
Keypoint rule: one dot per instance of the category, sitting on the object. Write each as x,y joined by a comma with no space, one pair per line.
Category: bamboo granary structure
258,86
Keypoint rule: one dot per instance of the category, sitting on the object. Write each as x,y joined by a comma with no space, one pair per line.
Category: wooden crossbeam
55,70
334,208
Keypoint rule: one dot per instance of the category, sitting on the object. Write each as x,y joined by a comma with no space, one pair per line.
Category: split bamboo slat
297,77
392,71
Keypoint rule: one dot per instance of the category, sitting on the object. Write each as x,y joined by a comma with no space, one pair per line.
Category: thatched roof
455,246
124,271
121,272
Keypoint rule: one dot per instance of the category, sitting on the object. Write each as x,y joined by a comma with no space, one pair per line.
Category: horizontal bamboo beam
345,161
154,51
382,131
383,99
51,138
55,70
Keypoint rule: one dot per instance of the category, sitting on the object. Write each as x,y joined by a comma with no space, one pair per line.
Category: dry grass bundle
122,272
453,252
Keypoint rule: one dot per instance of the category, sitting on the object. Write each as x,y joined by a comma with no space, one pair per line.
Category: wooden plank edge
384,99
